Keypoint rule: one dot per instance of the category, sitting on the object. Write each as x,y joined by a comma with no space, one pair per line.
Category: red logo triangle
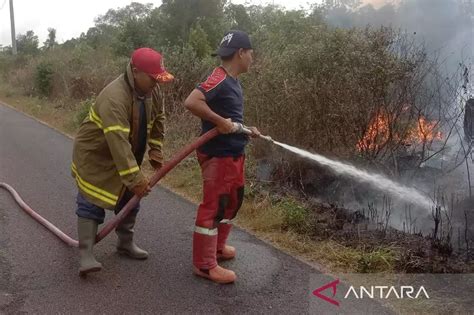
332,285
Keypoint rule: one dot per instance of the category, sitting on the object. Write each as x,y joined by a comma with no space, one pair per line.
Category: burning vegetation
381,130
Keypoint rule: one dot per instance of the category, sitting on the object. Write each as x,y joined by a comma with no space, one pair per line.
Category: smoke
445,26
379,3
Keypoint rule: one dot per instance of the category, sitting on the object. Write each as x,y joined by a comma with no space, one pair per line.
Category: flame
379,132
424,132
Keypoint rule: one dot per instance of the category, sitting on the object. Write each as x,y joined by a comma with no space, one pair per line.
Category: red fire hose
129,206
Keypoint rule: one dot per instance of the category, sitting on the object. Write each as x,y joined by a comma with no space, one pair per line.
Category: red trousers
223,193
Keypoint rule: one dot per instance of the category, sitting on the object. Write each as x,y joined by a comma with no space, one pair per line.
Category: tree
240,19
27,44
51,40
132,35
123,29
133,11
180,15
198,40
100,36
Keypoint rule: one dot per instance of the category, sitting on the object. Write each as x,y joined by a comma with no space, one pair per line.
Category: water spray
377,181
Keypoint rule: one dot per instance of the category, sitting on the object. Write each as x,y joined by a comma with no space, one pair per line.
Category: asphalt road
38,273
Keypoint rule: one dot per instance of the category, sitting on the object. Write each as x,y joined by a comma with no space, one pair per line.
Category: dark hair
228,58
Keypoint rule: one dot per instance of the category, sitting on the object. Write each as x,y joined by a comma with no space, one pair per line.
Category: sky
71,18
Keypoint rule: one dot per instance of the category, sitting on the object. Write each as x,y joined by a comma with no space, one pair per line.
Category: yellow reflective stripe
204,231
91,117
117,127
93,190
92,187
129,171
226,221
94,194
157,142
95,115
95,118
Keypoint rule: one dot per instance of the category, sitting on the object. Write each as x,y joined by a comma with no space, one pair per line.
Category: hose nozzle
268,138
245,130
240,128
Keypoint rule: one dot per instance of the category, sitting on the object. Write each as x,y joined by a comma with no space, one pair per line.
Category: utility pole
12,21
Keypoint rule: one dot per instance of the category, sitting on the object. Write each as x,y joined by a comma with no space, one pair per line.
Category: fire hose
112,223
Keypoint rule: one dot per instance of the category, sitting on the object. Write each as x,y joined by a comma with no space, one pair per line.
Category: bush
6,64
320,93
188,70
295,216
82,111
43,78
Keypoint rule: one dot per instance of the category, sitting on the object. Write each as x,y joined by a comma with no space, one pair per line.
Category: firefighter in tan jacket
109,148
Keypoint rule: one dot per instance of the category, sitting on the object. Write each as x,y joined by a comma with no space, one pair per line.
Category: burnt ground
414,251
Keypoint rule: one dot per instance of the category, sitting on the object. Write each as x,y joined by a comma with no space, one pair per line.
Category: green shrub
83,110
295,216
43,78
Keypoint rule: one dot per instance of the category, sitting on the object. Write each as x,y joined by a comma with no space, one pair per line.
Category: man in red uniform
219,103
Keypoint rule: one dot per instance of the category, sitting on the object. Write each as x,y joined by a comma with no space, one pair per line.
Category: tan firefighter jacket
103,162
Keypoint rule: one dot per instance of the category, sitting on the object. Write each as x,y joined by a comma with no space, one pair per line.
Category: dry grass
185,179
45,110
